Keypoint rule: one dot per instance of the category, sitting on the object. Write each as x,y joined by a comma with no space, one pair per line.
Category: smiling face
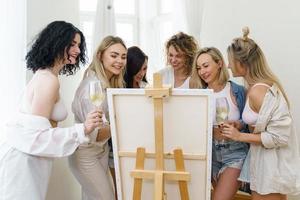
114,59
208,69
176,58
140,75
74,51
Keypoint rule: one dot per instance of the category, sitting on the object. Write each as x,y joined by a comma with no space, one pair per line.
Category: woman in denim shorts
209,71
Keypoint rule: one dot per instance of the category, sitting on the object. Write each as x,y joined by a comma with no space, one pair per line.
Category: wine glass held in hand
96,93
222,111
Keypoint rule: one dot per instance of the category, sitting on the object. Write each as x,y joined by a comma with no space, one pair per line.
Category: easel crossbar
168,175
166,155
157,92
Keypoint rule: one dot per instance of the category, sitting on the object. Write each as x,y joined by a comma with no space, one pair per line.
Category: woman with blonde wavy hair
274,153
209,71
181,49
90,162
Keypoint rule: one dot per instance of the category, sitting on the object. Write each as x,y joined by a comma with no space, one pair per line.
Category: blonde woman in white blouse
274,152
90,162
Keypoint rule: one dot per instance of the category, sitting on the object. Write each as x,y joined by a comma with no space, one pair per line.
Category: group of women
256,144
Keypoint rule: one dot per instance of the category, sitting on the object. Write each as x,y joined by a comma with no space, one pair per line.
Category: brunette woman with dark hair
136,68
31,141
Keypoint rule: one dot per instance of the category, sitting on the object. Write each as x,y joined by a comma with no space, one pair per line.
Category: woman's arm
45,95
81,106
231,132
33,133
103,133
256,97
278,128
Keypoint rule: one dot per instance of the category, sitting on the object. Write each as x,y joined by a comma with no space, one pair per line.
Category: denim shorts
229,154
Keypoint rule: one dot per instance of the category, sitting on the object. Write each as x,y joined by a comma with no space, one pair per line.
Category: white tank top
249,116
234,113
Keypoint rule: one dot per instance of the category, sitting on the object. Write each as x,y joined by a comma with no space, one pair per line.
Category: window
144,23
87,17
126,12
127,7
126,20
156,26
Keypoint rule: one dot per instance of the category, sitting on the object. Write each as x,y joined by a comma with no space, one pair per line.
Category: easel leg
159,186
180,167
139,164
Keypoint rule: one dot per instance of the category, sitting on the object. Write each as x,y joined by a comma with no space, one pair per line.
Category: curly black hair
51,44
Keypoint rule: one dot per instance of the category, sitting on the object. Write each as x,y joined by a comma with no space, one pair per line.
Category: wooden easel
159,175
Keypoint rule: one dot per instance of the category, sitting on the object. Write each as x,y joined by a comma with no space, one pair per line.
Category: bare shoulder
46,80
256,96
45,94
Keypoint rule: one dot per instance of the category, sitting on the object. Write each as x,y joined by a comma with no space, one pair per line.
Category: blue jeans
229,154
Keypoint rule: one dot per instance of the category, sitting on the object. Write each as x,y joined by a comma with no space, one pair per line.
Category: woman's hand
229,131
104,132
92,121
237,124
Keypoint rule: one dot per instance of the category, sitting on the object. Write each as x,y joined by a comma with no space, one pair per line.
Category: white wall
274,25
63,185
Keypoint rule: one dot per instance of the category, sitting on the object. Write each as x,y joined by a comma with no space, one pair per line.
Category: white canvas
187,124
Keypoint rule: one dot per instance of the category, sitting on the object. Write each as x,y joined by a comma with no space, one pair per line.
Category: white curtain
105,23
12,53
156,28
193,12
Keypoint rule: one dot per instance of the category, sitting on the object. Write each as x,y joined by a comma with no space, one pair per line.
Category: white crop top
249,116
234,113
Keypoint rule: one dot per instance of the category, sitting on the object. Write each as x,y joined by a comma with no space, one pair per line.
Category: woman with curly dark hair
31,142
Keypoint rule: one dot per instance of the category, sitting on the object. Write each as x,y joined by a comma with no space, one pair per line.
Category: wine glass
222,111
96,93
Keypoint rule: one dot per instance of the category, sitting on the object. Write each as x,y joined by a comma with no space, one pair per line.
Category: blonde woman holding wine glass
90,162
209,71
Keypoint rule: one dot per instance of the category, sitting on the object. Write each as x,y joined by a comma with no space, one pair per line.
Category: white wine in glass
96,93
222,111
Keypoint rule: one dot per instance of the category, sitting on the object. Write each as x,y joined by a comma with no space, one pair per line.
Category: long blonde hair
250,55
216,55
97,67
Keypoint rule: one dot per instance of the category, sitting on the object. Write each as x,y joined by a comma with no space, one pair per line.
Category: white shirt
168,78
27,154
275,165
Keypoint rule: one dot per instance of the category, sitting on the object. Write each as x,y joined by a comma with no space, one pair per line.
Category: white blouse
168,78
275,165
